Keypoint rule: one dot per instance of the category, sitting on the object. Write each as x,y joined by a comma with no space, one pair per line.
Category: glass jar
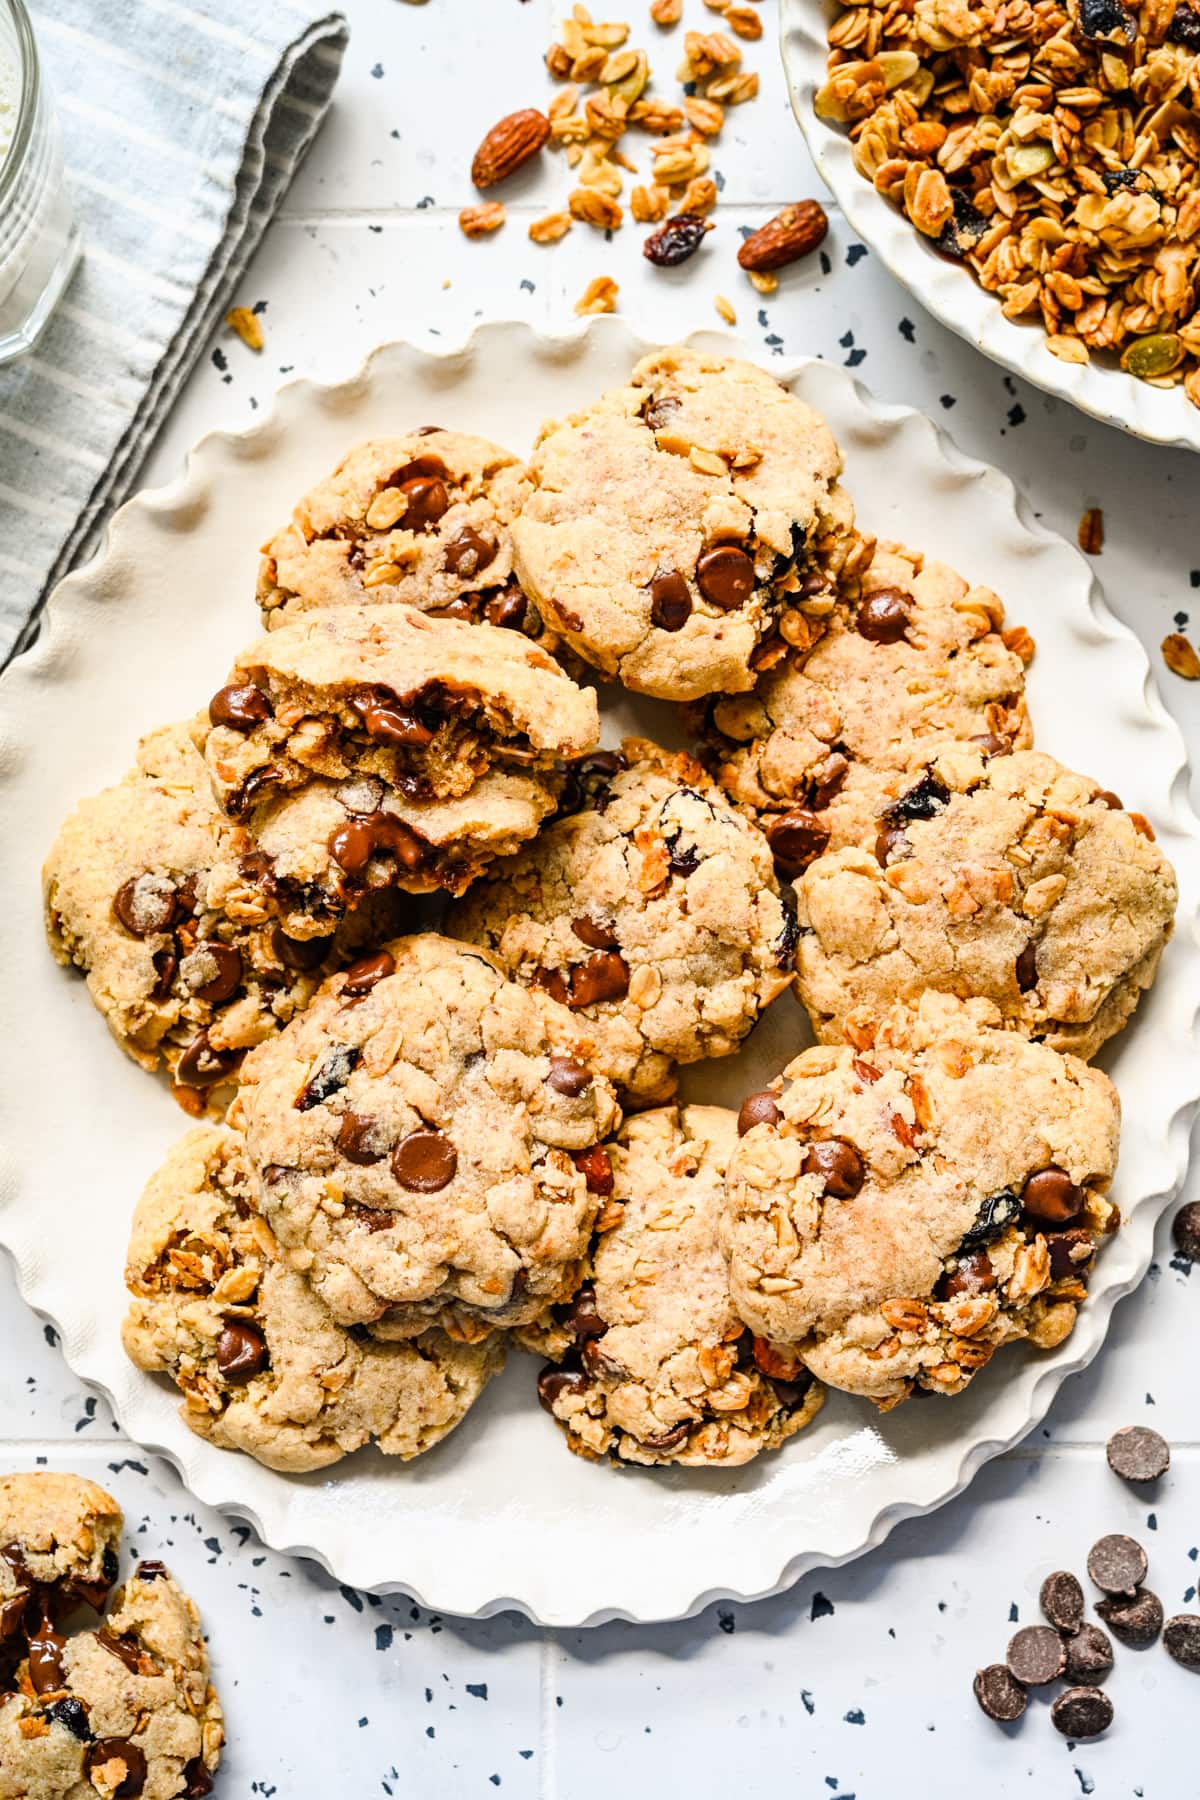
39,239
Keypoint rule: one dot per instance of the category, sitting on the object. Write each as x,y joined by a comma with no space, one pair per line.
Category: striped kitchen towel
183,122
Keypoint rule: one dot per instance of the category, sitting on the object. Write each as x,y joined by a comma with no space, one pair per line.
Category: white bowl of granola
1066,242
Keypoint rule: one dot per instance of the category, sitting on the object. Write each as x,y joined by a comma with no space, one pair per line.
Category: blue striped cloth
182,126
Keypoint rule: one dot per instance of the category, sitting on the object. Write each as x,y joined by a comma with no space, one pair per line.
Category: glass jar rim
28,102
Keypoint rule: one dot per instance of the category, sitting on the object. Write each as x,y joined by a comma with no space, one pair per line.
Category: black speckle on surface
51,1336
809,1704
1181,619
528,286
1016,415
377,72
726,1621
351,1598
822,1607
855,254
426,201
1151,1521
718,181
907,330
1013,1613
477,1689
89,1414
1194,577
383,1637
377,229
847,341
220,361
855,1716
946,401
826,265
1087,1785
855,357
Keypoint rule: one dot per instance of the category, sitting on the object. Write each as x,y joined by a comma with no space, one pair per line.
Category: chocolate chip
329,1077
362,1140
839,1166
888,841
604,976
1136,1453
924,800
145,904
581,1319
469,552
203,1066
424,1161
998,1694
198,1778
1052,1195
1135,1618
1061,1600
882,617
1185,1228
123,1648
372,1218
1117,1564
166,967
659,413
387,721
757,1109
972,1274
240,707
253,788
666,1440
595,1168
241,1351
553,1382
552,982
151,1570
118,1749
299,953
354,844
789,937
1082,1712
45,1657
427,500
991,745
725,576
73,1715
670,600
1036,1656
1181,1635
225,978
508,609
797,838
364,974
568,1077
1071,1252
594,933
1089,1654
1027,969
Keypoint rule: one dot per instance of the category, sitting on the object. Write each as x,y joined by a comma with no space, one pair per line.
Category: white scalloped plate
1159,415
501,1515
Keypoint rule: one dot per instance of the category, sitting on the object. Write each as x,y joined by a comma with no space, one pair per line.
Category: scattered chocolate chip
1052,1195
203,1066
1001,1697
604,976
118,1749
240,707
725,576
757,1109
882,618
796,838
581,1318
145,904
424,1161
1027,969
1071,1252
595,1168
1089,1654
1181,1635
1185,1228
553,1382
670,600
329,1077
508,609
993,1219
838,1165
675,240
972,1274
1036,1656
364,974
594,933
1082,1712
568,1076
362,1140
469,552
1117,1564
1136,1453
225,964
198,1778
241,1351
73,1714
1061,1601
1135,1618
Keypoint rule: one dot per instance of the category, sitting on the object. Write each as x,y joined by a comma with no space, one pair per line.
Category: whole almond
791,234
508,145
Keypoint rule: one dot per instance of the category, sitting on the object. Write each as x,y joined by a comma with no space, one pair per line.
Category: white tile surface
335,1694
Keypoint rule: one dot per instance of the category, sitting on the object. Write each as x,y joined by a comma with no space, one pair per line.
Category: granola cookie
653,913
394,716
899,1208
659,1367
909,657
680,524
427,1138
423,520
261,1364
186,963
1009,877
123,1708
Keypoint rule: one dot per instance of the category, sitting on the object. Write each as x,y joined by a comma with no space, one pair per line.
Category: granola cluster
1051,148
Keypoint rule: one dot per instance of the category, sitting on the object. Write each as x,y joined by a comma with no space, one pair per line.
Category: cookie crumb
599,296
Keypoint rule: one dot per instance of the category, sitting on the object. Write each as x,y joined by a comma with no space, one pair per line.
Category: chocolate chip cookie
122,1708
261,1364
909,657
653,1364
681,524
899,1207
652,912
394,717
1004,876
422,519
428,1142
183,957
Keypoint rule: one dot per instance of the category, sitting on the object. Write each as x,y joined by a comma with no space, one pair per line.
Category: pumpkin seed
1150,357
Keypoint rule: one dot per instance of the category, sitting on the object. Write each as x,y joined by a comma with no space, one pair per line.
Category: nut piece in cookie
123,1708
652,912
394,718
421,520
261,1364
682,526
909,657
428,1141
1007,876
653,1364
911,1202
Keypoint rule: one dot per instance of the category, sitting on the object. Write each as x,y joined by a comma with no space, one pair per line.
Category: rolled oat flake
1036,1656
1134,1618
1181,1635
1082,1712
999,1694
1089,1655
1138,1454
1061,1601
1117,1564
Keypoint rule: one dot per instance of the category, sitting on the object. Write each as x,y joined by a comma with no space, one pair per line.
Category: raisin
675,240
994,1217
332,1074
1099,19
1185,28
924,801
961,233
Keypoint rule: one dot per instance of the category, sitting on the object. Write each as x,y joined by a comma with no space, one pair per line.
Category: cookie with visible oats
1010,877
909,657
898,1208
427,1140
652,1363
122,1707
682,525
652,912
262,1366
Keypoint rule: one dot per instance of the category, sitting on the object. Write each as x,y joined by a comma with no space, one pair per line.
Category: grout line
547,1660
520,209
